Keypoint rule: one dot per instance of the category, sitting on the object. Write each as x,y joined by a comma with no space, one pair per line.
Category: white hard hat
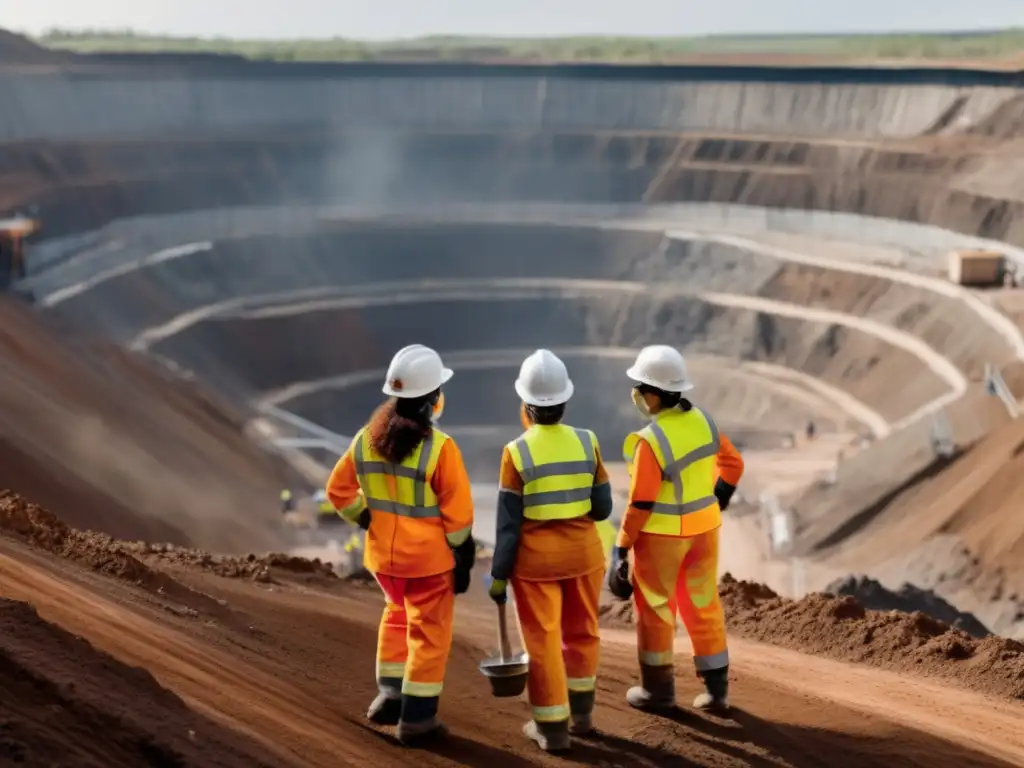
662,367
543,380
415,371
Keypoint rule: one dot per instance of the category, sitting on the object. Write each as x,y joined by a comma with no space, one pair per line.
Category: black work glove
724,492
465,559
618,574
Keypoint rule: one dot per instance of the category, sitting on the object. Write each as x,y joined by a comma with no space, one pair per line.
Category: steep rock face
108,101
956,183
136,135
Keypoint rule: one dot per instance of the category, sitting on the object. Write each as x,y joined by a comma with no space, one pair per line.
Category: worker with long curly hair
404,481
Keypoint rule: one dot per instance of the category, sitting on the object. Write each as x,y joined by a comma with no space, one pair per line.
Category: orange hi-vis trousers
679,575
415,635
559,624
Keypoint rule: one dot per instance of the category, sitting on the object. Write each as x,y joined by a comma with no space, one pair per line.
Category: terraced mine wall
135,139
93,144
298,315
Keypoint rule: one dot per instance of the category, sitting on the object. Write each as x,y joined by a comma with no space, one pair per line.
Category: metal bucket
506,676
506,673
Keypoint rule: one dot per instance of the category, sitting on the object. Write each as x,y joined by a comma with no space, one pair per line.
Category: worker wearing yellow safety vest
553,488
405,482
683,473
287,503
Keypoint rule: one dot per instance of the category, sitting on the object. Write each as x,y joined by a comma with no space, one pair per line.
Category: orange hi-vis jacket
648,481
415,538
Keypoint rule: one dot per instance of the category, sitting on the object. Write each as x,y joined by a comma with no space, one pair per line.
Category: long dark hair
400,424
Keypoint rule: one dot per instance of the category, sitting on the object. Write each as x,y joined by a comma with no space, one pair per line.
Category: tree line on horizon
949,45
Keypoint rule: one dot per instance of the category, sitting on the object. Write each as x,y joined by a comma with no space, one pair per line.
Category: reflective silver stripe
526,459
588,446
556,497
530,471
676,478
421,481
676,466
398,470
714,661
556,468
405,510
418,509
664,508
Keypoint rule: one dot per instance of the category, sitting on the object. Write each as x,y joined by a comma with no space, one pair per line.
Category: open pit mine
209,262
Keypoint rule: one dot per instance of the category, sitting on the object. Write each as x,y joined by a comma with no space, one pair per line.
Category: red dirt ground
287,662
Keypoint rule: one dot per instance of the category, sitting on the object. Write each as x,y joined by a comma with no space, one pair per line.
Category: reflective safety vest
686,446
413,495
557,464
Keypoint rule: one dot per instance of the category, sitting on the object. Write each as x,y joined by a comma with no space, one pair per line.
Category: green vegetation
967,45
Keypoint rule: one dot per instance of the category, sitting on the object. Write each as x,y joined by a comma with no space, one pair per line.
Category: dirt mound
255,567
841,628
873,596
62,702
42,529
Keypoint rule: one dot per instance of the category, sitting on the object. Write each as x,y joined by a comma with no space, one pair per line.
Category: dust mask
641,404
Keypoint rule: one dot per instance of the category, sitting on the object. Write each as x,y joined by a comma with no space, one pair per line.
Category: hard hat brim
635,375
557,399
409,394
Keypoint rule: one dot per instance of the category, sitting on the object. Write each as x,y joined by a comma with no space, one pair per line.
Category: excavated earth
222,238
276,669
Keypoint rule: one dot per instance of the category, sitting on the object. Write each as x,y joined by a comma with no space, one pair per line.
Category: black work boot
581,705
551,737
386,709
657,689
716,698
419,722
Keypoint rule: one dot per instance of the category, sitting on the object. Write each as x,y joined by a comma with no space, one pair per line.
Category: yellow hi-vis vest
414,497
686,445
557,464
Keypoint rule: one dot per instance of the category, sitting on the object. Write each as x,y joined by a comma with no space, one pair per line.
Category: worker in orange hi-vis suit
683,473
553,490
405,483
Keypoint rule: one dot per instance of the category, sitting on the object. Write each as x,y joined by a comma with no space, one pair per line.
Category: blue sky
383,19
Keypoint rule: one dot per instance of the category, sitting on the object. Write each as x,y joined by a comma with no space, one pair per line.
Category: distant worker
287,502
671,525
553,488
406,482
326,514
323,504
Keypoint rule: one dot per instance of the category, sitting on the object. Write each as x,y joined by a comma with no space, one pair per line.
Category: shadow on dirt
459,750
751,741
